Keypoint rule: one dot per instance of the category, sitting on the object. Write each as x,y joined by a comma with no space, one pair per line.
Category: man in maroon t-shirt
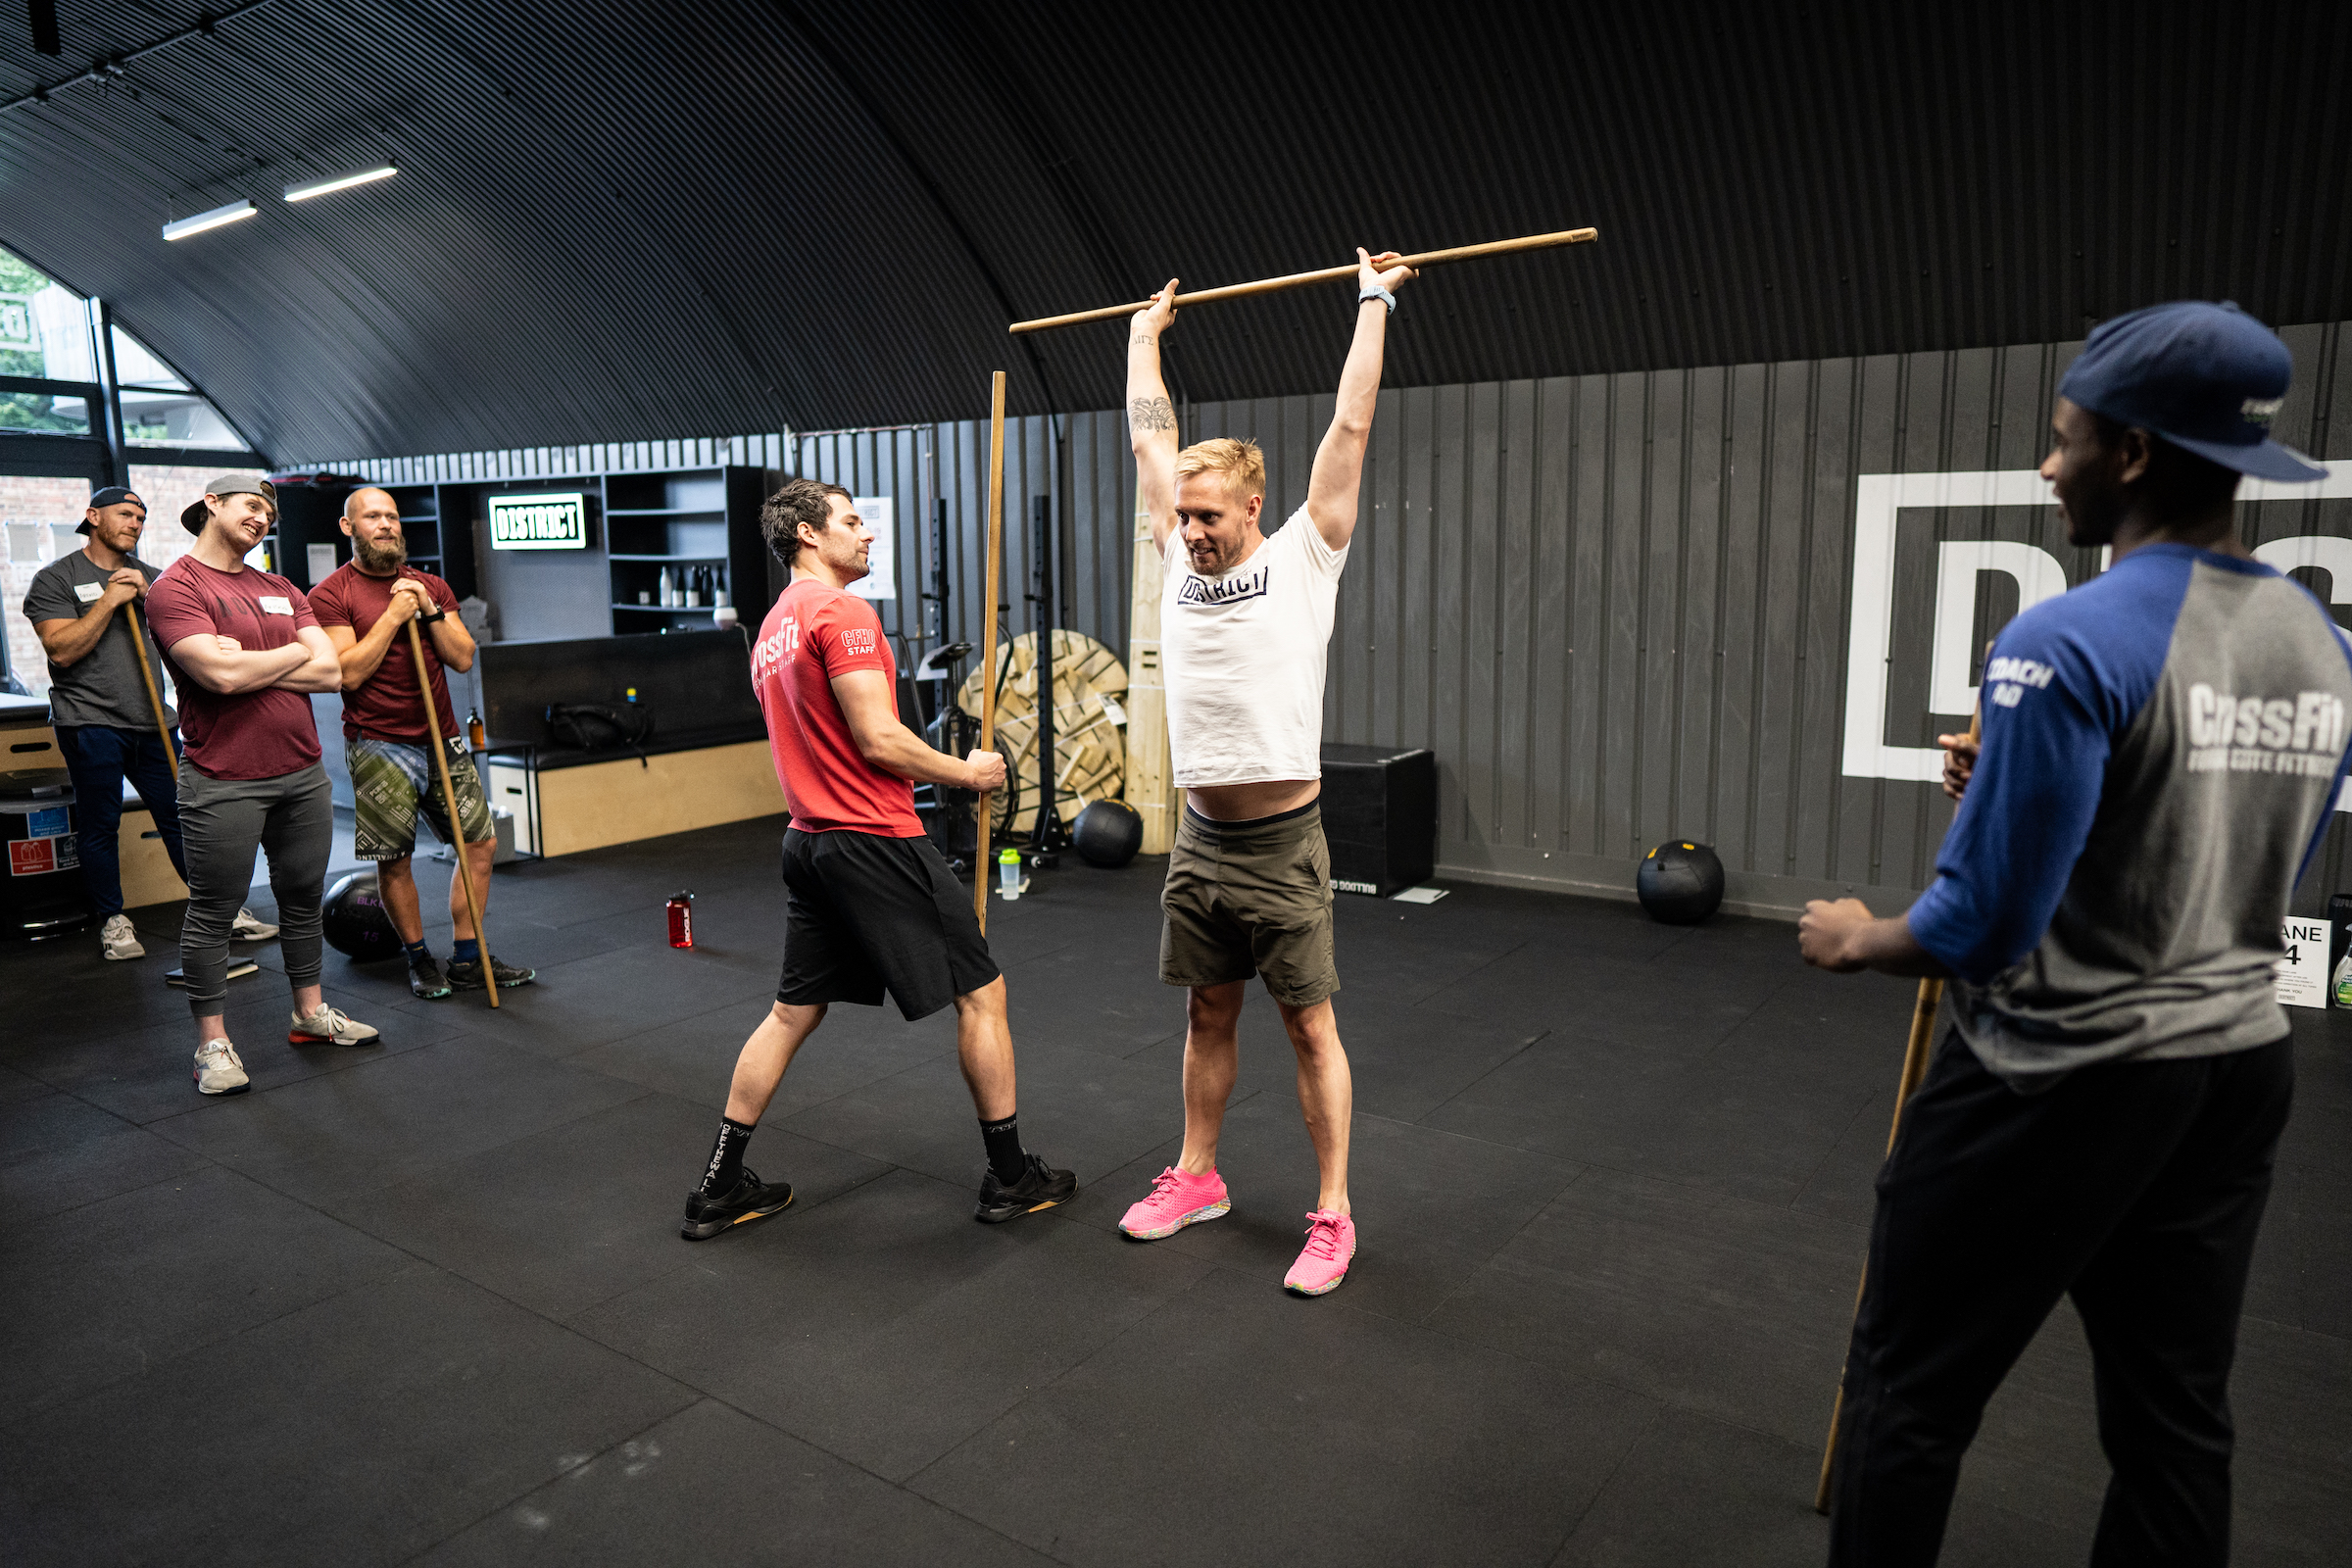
246,652
364,605
869,904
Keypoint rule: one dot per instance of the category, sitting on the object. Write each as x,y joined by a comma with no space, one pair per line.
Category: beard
379,560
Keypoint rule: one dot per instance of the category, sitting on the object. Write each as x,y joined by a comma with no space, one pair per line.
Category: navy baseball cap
2207,377
113,494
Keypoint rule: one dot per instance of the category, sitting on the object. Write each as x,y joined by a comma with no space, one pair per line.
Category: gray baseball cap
228,484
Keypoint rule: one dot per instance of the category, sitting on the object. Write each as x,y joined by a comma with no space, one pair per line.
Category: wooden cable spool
1089,749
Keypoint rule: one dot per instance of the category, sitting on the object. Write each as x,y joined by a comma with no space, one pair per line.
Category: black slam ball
1680,883
1108,833
355,921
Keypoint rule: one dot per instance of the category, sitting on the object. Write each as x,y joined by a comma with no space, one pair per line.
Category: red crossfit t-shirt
263,734
385,706
812,634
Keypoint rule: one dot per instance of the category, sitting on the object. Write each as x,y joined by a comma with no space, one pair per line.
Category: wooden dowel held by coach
462,867
1327,275
1915,1068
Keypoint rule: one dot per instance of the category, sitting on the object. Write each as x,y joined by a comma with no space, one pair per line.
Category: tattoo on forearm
1142,340
1150,414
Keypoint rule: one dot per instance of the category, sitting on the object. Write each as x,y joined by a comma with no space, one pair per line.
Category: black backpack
588,728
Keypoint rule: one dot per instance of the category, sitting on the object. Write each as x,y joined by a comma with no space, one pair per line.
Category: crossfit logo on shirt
769,652
1200,591
2228,734
2009,678
856,640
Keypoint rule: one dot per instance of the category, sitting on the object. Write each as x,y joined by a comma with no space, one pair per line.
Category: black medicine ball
355,921
1108,833
1680,883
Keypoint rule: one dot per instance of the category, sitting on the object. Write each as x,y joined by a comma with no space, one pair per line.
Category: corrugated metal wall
1617,607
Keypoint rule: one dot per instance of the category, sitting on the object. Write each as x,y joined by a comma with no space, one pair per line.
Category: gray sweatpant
220,822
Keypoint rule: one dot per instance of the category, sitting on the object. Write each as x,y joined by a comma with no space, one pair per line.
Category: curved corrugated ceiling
614,223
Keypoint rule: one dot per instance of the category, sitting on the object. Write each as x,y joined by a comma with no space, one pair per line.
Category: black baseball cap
2208,377
113,494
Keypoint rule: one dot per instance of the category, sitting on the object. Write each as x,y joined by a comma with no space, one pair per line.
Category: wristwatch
1373,291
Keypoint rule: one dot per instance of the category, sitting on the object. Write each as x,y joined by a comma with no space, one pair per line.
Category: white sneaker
119,939
251,927
329,1026
218,1069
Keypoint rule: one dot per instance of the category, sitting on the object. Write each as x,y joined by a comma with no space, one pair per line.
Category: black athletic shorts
863,913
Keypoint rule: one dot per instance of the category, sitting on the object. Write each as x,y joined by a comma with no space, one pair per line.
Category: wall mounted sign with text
539,522
881,580
1926,603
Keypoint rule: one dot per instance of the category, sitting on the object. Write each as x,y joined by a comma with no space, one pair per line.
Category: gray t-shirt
103,686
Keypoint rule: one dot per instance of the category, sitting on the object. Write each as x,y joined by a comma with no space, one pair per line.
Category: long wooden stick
1328,274
988,628
448,803
1915,1068
154,698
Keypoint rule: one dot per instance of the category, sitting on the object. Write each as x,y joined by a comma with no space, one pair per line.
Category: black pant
100,759
2136,1188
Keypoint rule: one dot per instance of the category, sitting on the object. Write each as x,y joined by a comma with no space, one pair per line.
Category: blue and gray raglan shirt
2162,751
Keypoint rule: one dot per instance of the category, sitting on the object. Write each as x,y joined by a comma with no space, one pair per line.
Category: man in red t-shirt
364,605
869,904
246,652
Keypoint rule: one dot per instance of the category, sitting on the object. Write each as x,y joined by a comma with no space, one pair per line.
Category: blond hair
1241,461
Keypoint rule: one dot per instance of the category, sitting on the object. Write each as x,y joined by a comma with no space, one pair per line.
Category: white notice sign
2303,971
882,580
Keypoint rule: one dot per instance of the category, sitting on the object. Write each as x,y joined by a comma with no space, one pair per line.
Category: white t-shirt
1244,655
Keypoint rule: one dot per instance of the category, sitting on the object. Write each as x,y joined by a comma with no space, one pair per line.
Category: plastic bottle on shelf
718,589
663,595
477,736
694,587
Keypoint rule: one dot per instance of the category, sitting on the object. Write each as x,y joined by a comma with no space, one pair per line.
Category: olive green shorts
1250,898
393,782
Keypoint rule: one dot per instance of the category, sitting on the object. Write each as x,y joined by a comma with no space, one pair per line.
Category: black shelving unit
681,521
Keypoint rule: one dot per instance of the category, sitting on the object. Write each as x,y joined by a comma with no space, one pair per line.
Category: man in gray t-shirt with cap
107,725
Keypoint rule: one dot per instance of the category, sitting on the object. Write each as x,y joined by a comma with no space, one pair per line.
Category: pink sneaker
1330,1248
1177,1200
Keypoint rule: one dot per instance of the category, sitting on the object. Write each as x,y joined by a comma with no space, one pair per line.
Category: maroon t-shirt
384,707
263,734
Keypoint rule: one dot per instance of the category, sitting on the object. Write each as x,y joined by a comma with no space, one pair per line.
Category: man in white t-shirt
1245,624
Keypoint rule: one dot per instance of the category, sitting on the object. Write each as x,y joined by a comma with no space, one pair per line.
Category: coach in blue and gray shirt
2162,747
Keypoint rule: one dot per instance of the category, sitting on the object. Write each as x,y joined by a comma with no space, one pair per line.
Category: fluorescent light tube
184,227
335,183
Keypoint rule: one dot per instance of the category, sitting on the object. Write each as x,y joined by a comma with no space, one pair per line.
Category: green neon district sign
539,522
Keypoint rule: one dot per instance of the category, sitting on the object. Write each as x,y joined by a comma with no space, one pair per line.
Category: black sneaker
751,1198
1040,1187
427,979
469,976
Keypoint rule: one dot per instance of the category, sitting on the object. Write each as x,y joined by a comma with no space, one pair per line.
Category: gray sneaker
251,927
218,1069
328,1026
119,939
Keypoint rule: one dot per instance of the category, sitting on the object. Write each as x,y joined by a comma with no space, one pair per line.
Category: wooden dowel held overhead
1327,275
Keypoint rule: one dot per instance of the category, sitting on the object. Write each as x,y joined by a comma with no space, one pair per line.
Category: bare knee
1315,1030
987,1002
1213,1009
395,871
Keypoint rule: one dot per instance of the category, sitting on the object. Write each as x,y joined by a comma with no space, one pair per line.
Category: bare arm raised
1150,417
1339,469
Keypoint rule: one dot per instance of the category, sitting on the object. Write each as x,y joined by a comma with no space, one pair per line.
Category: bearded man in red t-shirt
869,904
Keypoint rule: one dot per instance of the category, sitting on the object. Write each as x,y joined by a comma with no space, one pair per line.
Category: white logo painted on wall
1880,640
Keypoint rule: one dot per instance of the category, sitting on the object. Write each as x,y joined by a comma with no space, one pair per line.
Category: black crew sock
726,1158
1004,1154
418,952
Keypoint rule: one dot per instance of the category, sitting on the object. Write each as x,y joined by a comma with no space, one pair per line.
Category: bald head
372,518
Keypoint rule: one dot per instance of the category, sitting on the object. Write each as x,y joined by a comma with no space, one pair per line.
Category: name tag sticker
89,593
276,604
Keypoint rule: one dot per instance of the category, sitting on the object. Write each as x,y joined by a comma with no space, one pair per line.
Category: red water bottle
681,919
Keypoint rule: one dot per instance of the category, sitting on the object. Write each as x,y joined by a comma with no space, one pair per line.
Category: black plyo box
1380,817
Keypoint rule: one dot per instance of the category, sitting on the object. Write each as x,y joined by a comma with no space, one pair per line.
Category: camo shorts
392,780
